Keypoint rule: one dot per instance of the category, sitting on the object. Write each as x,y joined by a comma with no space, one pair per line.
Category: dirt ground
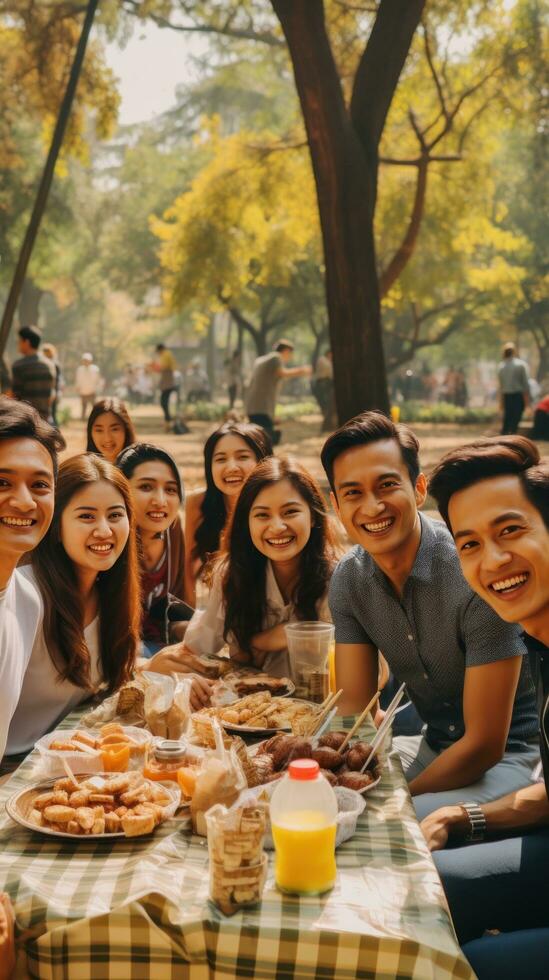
300,438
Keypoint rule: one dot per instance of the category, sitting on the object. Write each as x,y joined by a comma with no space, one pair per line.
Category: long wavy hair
245,568
213,510
118,588
118,408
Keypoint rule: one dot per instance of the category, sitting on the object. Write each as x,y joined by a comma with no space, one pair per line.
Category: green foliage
443,412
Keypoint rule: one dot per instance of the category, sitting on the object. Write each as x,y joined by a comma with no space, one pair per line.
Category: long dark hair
131,457
118,408
245,568
213,511
118,588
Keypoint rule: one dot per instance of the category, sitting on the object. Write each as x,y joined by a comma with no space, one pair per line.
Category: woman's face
109,435
280,522
95,527
155,495
232,460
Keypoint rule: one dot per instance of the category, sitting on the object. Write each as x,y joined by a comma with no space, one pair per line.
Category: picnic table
134,909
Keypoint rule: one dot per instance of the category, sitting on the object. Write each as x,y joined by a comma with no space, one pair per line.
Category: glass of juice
303,821
309,646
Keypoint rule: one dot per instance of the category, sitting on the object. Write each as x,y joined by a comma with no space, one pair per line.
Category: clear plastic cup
309,646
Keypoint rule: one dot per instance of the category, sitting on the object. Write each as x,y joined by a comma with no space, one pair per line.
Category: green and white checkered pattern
138,909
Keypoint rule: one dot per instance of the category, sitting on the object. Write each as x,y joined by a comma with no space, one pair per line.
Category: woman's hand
271,640
201,692
7,940
170,660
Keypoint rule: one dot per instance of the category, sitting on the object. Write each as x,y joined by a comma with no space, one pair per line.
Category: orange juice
332,667
115,758
305,854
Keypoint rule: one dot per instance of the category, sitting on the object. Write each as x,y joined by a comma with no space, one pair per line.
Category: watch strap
477,821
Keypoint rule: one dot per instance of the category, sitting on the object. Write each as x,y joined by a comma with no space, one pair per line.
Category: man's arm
356,667
526,808
488,696
295,372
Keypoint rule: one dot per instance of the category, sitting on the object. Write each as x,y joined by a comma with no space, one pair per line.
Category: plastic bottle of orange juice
303,820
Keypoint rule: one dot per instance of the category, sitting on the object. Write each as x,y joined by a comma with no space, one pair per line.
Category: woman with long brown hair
110,429
86,571
230,453
276,566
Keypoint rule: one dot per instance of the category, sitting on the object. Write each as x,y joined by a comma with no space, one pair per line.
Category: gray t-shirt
428,637
264,383
513,376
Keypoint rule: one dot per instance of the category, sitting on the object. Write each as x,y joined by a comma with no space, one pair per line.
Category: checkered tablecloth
138,909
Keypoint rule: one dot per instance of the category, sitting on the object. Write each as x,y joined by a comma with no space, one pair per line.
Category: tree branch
380,66
404,252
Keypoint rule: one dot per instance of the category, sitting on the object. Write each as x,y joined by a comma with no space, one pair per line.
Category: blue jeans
500,884
510,955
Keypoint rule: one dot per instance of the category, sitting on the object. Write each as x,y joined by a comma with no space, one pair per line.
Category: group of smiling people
97,574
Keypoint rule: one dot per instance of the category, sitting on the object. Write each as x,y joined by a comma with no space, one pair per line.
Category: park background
184,205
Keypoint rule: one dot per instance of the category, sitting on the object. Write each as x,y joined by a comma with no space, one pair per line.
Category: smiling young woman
230,454
157,493
88,642
275,568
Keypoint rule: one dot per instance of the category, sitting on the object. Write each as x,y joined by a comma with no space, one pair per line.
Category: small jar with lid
165,759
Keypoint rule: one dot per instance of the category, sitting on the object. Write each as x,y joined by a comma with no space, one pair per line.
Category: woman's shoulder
193,500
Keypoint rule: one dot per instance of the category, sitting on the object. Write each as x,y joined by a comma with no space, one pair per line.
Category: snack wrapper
220,780
158,702
238,866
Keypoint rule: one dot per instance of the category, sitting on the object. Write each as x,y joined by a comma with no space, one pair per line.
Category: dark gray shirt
429,636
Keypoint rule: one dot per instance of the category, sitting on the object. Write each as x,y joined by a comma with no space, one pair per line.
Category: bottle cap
304,769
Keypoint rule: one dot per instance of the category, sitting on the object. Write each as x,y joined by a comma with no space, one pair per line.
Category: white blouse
204,633
45,697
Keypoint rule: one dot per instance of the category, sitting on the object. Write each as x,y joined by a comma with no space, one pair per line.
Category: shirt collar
274,595
422,567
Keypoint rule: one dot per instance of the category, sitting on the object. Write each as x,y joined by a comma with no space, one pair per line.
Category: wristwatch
477,821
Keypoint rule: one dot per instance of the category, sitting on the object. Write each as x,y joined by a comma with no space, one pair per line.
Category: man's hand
7,941
438,826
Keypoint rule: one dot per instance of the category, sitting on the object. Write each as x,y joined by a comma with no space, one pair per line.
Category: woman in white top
277,562
87,573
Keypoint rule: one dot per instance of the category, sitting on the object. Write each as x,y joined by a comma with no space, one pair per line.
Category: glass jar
165,759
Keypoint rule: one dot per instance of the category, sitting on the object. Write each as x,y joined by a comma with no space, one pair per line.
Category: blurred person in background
33,375
514,389
269,371
87,383
233,370
165,365
50,351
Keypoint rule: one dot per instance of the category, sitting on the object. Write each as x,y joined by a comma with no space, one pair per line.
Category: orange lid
304,769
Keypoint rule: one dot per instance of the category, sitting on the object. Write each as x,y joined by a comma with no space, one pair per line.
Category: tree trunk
344,156
29,303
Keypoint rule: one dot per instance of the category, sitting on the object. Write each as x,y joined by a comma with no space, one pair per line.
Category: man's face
26,496
503,547
24,347
286,355
374,496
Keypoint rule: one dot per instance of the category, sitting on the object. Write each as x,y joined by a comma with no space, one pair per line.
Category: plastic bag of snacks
153,701
220,779
238,866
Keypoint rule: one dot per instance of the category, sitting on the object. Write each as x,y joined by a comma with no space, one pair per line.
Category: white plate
20,804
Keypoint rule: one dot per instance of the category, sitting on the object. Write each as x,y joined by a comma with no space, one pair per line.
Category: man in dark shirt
33,376
494,497
401,591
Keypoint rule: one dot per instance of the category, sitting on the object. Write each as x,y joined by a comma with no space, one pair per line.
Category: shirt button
410,637
451,728
426,676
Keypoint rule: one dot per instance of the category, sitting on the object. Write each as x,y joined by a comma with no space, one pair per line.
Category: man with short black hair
269,371
401,591
28,468
494,497
33,375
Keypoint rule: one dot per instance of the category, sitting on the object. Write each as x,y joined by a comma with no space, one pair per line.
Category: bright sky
150,67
